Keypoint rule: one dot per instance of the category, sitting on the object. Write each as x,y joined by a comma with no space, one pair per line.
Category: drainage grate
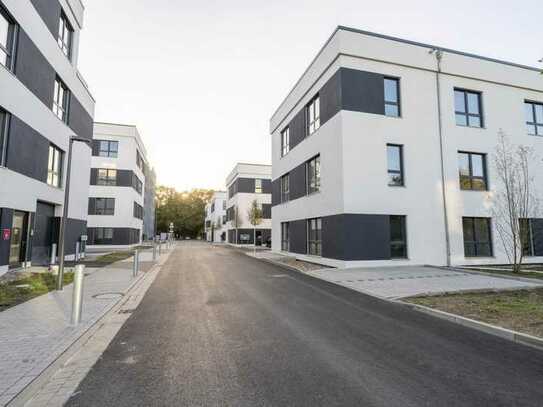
108,296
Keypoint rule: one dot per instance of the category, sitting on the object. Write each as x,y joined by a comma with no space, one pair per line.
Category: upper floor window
285,188
4,123
223,205
108,148
398,237
392,97
139,160
477,237
61,99
65,36
54,166
313,175
102,206
472,169
258,186
138,211
395,165
137,184
107,177
313,115
314,237
468,108
285,142
7,35
534,118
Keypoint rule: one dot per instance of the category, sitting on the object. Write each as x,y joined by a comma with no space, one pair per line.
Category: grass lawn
523,273
520,310
112,258
36,284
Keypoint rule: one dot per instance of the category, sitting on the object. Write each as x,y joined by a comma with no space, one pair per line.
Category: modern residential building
117,201
245,184
215,218
382,153
43,102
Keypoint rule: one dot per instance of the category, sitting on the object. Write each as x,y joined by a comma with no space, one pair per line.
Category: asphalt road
218,328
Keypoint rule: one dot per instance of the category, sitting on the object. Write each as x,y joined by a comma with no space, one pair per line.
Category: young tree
254,215
515,200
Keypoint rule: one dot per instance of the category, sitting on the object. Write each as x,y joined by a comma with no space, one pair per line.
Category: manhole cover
108,296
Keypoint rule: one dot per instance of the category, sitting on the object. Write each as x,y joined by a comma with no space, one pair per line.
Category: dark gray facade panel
266,186
362,91
266,234
6,222
266,211
297,129
245,185
45,233
537,231
28,150
33,70
297,182
276,192
49,11
79,120
93,176
124,178
298,236
121,236
330,98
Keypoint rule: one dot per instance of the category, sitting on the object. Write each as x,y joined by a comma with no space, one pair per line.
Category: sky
201,79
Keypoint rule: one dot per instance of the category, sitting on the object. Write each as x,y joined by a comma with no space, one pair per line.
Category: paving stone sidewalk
34,334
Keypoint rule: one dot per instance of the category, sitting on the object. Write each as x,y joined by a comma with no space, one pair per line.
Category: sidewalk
34,334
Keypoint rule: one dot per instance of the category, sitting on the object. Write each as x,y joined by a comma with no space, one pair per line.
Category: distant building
246,183
43,102
215,219
118,196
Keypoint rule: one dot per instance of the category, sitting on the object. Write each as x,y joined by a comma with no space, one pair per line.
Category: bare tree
254,214
236,221
515,200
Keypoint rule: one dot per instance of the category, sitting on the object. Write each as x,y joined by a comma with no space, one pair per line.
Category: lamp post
62,232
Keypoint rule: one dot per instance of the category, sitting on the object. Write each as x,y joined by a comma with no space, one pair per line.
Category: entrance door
259,238
43,233
17,249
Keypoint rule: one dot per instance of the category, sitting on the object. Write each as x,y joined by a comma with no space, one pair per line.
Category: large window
392,97
314,237
137,184
139,160
285,142
54,166
398,237
107,177
468,108
313,115
534,118
61,99
313,175
285,237
138,211
108,148
4,123
103,235
472,169
258,186
7,35
395,165
102,206
285,188
477,237
65,36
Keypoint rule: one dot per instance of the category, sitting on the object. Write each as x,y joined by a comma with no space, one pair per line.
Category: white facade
215,219
352,144
245,184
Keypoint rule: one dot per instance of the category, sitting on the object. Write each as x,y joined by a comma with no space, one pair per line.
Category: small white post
77,296
53,253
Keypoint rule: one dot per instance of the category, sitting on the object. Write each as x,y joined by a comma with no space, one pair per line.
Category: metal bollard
154,251
77,297
53,253
159,248
136,261
77,249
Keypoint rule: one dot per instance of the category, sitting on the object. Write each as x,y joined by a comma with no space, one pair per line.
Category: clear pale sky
201,79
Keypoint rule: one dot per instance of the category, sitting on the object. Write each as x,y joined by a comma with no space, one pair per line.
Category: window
7,36
395,165
4,125
285,142
137,184
139,160
213,207
102,206
285,188
108,148
477,237
65,35
223,205
103,235
285,237
472,169
392,97
258,186
138,211
527,237
313,115
54,166
467,106
314,237
398,240
107,177
61,100
534,118
313,175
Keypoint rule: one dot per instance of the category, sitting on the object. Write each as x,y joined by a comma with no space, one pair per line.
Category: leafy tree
254,214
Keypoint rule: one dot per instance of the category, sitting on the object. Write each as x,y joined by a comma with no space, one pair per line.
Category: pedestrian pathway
34,334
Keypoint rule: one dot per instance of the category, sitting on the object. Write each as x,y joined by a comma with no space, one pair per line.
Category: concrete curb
495,275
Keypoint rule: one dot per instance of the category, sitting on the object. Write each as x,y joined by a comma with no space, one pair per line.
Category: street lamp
60,276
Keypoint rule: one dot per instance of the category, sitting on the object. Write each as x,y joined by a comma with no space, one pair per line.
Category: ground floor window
285,237
477,237
103,235
314,237
398,237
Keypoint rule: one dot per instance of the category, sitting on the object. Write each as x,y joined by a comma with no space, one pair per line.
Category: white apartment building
43,102
382,153
215,218
116,203
245,184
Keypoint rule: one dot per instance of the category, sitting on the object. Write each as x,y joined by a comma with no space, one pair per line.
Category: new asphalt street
218,328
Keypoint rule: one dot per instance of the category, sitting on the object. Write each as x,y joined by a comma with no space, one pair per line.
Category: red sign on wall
6,234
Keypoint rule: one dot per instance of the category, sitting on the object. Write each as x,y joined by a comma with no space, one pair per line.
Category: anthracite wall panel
49,11
537,231
6,222
362,91
298,236
276,192
246,185
124,178
297,182
79,120
266,211
297,130
330,98
266,186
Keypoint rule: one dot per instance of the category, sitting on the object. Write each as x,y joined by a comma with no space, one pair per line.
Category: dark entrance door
43,233
259,238
17,249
